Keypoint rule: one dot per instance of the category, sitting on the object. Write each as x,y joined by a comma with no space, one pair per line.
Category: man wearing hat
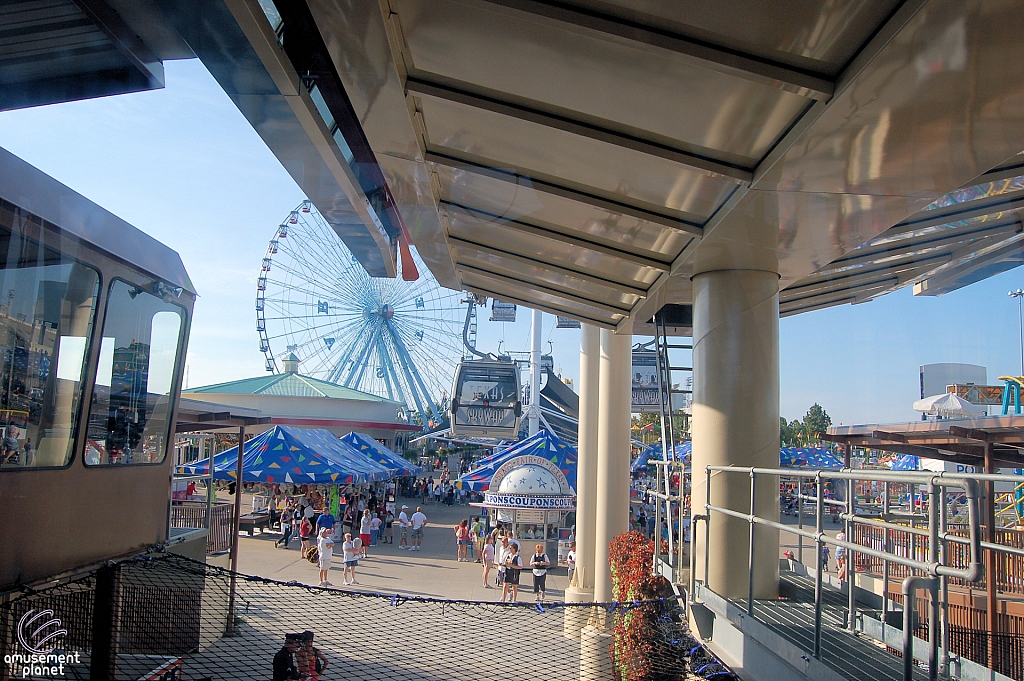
285,667
403,528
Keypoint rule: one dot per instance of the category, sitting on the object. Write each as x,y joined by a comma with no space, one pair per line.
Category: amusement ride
388,337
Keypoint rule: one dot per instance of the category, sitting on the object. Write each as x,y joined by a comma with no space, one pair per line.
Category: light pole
1019,295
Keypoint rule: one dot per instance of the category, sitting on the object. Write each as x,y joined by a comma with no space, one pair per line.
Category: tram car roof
32,190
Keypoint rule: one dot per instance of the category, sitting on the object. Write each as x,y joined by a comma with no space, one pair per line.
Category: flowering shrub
641,651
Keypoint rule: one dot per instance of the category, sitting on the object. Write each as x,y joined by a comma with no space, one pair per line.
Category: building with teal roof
293,399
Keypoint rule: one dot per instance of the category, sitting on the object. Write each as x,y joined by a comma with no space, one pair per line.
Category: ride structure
388,337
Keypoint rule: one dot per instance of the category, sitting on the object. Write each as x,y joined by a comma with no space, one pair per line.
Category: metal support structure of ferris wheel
389,337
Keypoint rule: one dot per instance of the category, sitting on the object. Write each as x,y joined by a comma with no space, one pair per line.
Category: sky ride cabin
94,323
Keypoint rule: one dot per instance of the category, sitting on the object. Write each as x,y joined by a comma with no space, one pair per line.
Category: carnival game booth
297,456
381,455
531,490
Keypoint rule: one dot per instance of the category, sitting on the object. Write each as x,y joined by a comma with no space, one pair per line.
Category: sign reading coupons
557,502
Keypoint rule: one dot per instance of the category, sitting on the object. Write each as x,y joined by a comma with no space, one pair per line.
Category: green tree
815,423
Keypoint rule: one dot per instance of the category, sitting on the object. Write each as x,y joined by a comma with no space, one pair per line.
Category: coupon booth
529,489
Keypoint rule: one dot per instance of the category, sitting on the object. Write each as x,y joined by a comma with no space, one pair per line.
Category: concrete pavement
433,571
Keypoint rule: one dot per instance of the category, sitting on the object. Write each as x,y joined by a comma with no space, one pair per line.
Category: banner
646,396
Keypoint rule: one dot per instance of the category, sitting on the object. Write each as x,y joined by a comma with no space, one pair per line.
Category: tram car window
130,415
47,311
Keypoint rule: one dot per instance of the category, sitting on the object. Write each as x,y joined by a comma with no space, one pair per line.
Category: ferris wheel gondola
485,399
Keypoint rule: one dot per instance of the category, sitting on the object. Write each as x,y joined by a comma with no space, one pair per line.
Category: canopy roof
544,444
381,455
812,457
285,454
682,452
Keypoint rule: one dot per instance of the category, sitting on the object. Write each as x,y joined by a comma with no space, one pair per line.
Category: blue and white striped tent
812,457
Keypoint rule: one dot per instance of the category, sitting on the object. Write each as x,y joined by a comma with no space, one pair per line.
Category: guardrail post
106,615
851,556
707,525
800,519
933,558
944,585
910,586
818,577
750,544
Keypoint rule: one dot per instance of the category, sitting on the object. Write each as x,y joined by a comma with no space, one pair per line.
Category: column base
596,663
576,618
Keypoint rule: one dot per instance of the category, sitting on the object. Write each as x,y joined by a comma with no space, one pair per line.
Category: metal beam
526,261
561,237
519,178
422,84
493,292
955,213
994,254
906,247
547,288
702,53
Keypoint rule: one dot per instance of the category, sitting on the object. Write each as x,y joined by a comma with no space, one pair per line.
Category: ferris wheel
393,338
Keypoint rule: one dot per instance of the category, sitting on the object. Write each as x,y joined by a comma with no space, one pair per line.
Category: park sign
646,397
517,462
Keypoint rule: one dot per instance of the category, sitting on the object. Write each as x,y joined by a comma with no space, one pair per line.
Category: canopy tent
381,455
682,452
544,444
948,405
900,462
812,457
293,455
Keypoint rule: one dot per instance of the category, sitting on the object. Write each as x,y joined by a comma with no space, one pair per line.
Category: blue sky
184,166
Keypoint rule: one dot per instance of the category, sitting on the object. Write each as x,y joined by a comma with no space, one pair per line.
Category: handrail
935,567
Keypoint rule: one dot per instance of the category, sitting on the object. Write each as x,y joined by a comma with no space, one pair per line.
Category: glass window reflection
130,417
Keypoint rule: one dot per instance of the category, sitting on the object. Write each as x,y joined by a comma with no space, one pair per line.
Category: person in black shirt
285,668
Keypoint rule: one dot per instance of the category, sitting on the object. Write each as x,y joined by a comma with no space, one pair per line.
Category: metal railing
936,569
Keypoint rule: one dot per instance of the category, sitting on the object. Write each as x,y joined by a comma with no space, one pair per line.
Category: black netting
169,618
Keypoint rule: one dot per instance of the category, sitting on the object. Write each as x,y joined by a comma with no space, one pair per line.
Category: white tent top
947,404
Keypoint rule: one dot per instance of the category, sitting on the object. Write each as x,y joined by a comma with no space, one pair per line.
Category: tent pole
235,523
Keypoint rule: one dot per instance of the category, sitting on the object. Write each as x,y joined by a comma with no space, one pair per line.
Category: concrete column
582,587
736,422
612,504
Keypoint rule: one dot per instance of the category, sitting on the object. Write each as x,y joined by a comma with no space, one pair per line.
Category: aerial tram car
94,321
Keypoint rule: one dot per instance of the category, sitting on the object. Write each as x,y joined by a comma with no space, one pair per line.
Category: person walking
570,560
285,667
462,539
389,528
403,528
325,546
540,564
305,529
351,556
487,555
503,551
418,521
375,523
513,566
364,531
824,557
286,528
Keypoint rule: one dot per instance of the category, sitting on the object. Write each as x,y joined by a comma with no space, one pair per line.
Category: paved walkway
433,571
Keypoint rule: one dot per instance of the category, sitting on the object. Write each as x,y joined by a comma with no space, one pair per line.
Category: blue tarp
904,462
682,451
380,454
812,457
543,444
298,456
